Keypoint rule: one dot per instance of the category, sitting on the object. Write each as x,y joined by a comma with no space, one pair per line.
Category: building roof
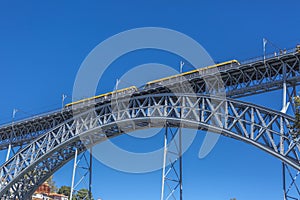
57,195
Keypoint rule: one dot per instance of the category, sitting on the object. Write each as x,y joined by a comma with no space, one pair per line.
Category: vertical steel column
292,191
283,110
180,161
164,163
283,182
180,144
73,174
287,99
172,166
8,152
90,169
82,166
284,90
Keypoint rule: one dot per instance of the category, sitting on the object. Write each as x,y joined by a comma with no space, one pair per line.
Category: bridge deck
247,79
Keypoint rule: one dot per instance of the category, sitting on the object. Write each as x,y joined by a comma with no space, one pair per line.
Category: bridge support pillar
83,166
172,164
289,191
290,188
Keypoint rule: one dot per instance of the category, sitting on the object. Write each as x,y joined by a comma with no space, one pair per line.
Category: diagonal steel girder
250,78
263,128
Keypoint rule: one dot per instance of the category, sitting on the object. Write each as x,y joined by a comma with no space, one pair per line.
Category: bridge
48,141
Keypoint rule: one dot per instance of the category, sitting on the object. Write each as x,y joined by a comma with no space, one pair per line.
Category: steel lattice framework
22,132
263,128
250,78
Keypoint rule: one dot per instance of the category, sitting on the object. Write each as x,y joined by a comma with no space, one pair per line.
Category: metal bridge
50,140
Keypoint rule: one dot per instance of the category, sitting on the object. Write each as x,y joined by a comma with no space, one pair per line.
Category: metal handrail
270,55
248,61
32,117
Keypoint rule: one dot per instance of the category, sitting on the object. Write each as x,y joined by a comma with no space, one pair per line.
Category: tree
83,194
296,127
52,184
65,190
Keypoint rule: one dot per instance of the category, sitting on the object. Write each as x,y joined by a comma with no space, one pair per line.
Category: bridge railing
270,55
32,117
204,72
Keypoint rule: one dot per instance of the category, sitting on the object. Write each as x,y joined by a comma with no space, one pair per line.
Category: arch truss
263,128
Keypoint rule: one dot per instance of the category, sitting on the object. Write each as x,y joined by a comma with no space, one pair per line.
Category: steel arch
252,77
263,128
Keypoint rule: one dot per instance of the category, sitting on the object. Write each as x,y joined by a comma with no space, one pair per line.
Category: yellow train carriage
131,89
298,48
194,71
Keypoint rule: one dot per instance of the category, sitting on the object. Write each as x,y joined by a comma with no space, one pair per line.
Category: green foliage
83,194
79,195
297,101
296,127
52,184
65,190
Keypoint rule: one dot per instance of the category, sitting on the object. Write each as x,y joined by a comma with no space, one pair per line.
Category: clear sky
43,43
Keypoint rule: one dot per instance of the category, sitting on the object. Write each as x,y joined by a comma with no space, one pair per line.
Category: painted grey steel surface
261,127
22,132
247,79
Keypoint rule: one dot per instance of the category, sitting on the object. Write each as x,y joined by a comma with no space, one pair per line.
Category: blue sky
42,45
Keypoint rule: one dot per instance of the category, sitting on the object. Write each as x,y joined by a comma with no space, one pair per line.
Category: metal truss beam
23,132
289,175
263,128
83,168
172,165
291,191
250,78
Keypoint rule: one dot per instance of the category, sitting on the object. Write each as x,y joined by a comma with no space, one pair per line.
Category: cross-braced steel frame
250,78
289,176
247,79
172,165
263,128
290,187
82,167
